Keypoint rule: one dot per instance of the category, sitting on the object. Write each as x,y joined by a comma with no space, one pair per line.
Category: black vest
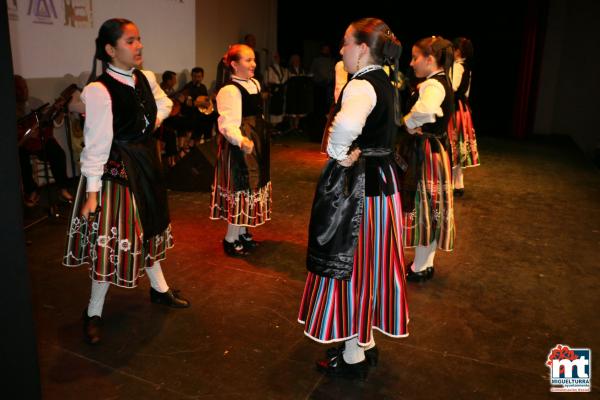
378,136
134,150
251,103
131,108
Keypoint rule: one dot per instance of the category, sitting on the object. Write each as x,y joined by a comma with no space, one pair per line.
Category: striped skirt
462,138
375,298
113,245
433,216
248,207
243,208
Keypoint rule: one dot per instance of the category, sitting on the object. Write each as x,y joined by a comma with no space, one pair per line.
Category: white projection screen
53,38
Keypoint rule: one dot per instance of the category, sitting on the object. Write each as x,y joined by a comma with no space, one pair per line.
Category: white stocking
99,290
157,279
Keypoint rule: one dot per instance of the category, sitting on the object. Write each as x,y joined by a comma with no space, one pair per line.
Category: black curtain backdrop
533,33
497,31
20,375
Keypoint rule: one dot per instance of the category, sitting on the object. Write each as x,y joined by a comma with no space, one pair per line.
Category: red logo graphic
561,352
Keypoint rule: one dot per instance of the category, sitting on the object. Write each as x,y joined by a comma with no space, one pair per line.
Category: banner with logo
54,38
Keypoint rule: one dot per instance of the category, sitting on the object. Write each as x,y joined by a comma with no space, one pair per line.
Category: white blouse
98,129
341,77
429,104
457,72
229,104
358,100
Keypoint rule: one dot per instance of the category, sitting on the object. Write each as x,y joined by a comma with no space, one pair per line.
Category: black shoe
91,328
247,241
371,355
336,366
430,271
459,192
420,276
169,298
235,249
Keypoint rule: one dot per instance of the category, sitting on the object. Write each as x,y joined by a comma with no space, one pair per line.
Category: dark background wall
565,78
496,32
568,101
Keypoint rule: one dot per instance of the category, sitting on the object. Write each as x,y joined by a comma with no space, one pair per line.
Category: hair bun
392,48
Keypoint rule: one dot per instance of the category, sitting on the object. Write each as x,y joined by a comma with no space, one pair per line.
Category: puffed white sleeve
358,100
341,77
457,72
163,103
229,104
429,104
97,133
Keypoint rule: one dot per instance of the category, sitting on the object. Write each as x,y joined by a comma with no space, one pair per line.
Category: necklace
366,69
120,73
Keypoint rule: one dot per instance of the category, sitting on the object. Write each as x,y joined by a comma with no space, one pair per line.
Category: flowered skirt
113,244
433,215
334,310
462,138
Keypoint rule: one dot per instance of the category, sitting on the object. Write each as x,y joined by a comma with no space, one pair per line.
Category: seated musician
32,144
171,127
198,108
169,80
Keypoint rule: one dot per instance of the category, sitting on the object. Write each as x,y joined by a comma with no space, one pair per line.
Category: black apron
134,150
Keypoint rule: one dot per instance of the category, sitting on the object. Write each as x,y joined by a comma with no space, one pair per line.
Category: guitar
205,104
38,124
178,99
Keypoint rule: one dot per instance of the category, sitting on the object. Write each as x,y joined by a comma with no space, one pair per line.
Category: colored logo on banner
13,11
570,369
43,11
78,13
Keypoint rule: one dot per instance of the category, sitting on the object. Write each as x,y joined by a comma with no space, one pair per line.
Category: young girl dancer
356,279
241,192
427,186
120,221
460,129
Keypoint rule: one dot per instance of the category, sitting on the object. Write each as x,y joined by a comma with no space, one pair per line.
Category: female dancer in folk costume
356,278
427,182
462,137
241,192
120,221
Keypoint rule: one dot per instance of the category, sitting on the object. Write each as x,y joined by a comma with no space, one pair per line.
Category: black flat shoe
91,328
169,298
248,242
430,271
459,192
336,366
420,276
235,249
371,355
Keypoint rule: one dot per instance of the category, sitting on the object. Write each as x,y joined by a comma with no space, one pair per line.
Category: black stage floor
523,277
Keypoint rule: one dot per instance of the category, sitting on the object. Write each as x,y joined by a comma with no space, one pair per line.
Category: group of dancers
376,195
